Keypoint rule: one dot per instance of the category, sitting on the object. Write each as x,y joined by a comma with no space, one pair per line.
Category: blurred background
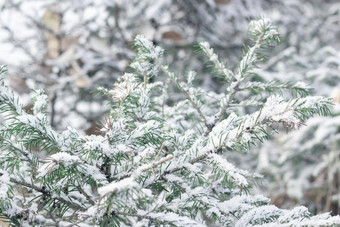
70,47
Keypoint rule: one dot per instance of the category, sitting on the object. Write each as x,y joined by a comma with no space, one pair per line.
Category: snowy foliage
68,48
301,167
155,163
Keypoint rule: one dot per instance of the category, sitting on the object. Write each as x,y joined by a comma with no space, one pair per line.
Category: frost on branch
158,161
220,67
40,101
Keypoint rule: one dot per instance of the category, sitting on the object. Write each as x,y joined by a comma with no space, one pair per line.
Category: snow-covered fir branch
154,163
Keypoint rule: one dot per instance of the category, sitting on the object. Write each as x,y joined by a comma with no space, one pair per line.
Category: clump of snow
260,25
296,213
172,218
259,215
4,184
52,162
237,175
244,202
277,110
144,68
147,49
116,187
143,128
263,26
40,101
124,87
302,85
222,130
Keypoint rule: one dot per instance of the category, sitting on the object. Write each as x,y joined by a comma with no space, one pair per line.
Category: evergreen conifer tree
156,162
